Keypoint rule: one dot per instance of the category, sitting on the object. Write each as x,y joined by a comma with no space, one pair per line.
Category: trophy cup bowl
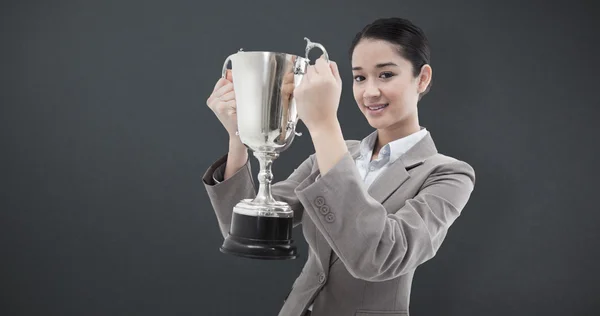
264,82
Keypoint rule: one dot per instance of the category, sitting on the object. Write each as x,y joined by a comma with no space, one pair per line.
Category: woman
372,210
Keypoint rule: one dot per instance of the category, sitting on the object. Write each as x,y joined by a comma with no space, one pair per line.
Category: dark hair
410,39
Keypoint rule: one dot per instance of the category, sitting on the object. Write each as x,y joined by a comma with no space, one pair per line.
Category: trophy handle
290,127
227,60
224,71
299,69
310,45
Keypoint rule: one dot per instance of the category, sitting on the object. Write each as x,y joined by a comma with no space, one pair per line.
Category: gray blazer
364,244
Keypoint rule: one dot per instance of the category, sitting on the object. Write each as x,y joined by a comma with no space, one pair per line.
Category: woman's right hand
222,103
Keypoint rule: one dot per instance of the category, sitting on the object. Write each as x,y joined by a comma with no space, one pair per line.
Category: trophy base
258,249
260,237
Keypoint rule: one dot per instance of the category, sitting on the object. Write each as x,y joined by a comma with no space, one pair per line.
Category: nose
371,90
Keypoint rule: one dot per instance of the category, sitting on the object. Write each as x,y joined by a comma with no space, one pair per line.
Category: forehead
370,52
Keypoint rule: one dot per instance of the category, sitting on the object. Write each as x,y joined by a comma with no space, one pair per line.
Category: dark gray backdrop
105,135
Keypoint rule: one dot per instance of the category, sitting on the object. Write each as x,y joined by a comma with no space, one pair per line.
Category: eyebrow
377,66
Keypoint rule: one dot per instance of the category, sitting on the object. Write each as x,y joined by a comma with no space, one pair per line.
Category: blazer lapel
397,172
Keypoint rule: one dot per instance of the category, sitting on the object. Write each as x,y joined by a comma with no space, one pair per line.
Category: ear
424,78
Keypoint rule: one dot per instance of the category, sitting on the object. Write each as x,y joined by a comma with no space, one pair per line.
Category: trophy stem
265,177
261,228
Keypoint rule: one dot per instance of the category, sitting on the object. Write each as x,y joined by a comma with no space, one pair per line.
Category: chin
379,124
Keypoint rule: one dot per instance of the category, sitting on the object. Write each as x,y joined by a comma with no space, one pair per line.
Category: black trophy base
257,237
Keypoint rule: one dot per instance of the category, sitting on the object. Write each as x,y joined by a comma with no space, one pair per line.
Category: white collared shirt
370,170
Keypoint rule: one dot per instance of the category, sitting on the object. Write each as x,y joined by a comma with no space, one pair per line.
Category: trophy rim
264,52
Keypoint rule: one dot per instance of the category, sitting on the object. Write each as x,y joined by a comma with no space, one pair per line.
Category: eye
359,78
386,75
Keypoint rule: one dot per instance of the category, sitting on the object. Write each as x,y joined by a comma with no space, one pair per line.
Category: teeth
376,108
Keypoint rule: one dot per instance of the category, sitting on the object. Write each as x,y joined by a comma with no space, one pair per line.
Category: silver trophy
264,83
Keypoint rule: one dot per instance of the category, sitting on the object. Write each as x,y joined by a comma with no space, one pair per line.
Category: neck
397,131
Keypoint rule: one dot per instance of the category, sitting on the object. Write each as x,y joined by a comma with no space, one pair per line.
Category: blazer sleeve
373,244
225,194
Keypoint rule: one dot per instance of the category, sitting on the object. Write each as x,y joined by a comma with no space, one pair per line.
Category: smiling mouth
376,107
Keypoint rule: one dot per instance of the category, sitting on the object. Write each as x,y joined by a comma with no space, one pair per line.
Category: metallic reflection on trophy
264,84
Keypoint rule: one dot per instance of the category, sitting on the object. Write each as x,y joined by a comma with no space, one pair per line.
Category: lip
370,106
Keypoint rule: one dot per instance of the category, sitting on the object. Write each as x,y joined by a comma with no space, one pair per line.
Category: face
384,87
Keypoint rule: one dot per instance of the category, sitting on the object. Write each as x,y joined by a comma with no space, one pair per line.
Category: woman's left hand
318,95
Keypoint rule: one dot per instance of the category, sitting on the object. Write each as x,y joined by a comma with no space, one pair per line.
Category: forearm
236,158
329,144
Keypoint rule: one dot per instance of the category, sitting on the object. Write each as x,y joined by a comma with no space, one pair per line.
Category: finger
228,96
288,78
225,107
287,89
305,78
310,72
228,86
315,70
230,105
335,71
221,82
229,75
322,67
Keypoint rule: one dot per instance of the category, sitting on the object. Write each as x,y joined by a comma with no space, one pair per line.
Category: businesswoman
372,210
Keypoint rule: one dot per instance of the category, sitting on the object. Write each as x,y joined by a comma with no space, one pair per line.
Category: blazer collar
397,172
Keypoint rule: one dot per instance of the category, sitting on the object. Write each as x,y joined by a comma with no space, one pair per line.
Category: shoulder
440,164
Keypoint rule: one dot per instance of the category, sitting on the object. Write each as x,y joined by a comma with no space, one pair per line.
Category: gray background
105,134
